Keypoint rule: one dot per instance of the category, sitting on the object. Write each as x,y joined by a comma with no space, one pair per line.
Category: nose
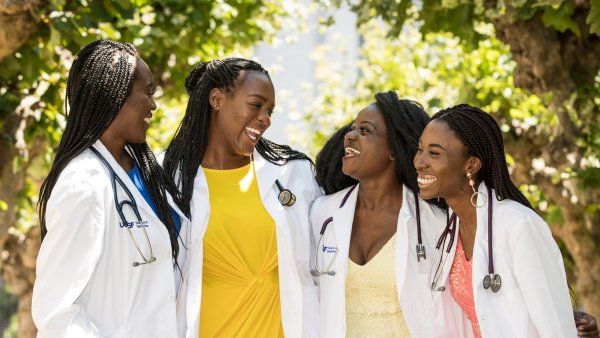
152,104
419,161
351,135
264,118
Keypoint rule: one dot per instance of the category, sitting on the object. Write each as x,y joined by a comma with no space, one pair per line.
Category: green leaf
561,19
593,18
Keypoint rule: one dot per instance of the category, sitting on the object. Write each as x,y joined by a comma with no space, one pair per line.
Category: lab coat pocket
510,309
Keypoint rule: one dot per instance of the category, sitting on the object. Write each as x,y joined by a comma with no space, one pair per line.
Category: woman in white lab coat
103,270
504,269
374,237
248,274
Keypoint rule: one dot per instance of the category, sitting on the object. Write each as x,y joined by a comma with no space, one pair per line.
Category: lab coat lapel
266,174
289,282
343,218
342,226
143,207
448,264
480,254
402,241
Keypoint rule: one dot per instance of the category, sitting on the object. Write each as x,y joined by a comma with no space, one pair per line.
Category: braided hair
405,120
481,135
329,174
185,152
100,81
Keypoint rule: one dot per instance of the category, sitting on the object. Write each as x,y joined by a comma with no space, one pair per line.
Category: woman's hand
586,324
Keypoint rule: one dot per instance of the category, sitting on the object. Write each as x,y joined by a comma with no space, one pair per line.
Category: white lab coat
533,300
86,284
298,293
422,317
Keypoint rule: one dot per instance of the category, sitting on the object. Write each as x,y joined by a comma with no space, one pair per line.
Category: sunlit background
533,65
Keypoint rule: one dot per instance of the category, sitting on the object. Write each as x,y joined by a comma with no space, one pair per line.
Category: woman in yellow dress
248,272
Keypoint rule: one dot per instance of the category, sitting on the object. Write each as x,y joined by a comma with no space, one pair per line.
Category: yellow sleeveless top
372,306
240,281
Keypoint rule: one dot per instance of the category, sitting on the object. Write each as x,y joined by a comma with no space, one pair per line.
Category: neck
116,147
380,193
461,205
219,155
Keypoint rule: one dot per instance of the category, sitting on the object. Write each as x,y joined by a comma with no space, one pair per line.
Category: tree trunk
17,23
19,250
18,271
560,64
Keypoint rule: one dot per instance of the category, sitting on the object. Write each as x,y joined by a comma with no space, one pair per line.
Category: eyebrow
369,122
437,146
259,96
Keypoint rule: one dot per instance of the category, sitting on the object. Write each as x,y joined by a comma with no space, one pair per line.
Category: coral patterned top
461,286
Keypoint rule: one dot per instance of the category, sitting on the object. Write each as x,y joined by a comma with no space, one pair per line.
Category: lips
426,180
254,134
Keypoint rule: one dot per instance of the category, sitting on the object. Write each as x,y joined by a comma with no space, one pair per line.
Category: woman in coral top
504,269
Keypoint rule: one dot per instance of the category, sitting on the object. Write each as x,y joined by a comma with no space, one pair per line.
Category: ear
215,98
473,165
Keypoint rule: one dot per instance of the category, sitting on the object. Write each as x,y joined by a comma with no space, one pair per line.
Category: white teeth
253,133
351,152
147,120
426,180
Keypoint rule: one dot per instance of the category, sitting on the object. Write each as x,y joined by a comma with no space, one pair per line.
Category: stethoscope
319,271
285,197
490,281
132,204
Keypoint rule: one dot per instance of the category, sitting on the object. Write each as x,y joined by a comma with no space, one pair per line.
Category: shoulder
84,174
516,219
329,202
299,167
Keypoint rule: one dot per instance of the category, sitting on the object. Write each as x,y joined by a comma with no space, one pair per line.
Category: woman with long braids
374,236
248,274
504,270
109,261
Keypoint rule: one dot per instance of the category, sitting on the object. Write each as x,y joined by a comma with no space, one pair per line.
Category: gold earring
476,193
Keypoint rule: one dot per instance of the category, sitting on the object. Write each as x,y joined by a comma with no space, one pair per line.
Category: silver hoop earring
476,193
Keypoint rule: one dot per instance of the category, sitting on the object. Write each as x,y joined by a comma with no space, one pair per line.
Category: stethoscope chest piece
492,281
421,252
286,198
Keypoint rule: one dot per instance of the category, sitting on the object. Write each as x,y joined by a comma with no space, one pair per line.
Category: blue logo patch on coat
330,249
134,224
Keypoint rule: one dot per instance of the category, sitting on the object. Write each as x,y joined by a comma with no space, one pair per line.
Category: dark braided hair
329,164
100,81
405,120
481,135
185,152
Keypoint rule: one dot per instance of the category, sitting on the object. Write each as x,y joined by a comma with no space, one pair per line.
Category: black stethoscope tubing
492,280
120,205
420,248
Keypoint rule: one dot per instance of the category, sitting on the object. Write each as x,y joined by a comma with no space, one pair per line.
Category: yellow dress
240,281
372,307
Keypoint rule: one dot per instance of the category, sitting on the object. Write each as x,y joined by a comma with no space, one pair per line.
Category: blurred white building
290,59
